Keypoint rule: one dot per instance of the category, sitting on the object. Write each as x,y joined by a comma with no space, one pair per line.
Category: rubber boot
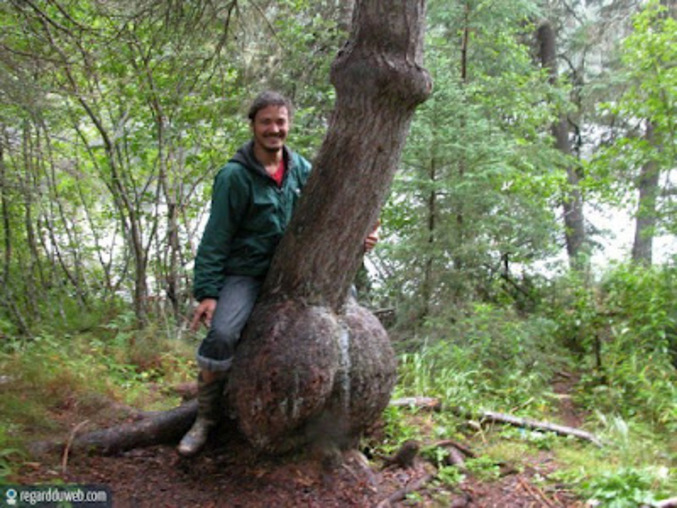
208,413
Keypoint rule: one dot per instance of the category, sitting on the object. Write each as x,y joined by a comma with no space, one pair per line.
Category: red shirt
279,174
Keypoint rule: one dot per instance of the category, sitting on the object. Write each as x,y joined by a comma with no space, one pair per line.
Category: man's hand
203,314
371,241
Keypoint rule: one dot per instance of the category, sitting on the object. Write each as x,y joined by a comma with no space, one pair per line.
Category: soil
230,474
222,477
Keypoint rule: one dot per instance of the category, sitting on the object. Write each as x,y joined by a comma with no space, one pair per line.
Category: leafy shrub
623,488
624,333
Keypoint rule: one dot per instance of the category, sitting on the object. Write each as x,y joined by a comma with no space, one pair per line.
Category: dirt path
229,476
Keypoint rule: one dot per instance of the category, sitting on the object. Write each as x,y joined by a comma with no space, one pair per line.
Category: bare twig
536,493
66,450
268,23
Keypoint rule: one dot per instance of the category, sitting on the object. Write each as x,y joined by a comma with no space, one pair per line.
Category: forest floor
229,474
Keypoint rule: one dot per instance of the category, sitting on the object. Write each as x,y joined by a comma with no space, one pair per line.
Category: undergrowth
54,381
617,342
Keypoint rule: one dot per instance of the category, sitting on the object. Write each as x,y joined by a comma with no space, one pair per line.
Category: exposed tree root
536,493
162,427
459,446
404,458
404,492
455,458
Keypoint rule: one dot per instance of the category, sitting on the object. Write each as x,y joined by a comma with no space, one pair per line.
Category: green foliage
491,355
484,468
624,487
9,456
450,475
624,331
85,373
646,79
571,303
475,192
398,429
642,302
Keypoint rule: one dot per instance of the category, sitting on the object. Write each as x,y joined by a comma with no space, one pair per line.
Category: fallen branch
434,404
494,417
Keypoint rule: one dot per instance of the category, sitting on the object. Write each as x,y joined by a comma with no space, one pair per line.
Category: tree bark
645,221
572,201
309,366
313,366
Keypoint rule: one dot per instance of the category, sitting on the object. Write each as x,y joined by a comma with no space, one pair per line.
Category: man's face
270,127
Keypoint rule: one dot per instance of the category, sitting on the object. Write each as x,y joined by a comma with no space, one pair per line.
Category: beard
272,149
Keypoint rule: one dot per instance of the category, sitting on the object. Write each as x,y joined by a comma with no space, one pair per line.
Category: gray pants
235,304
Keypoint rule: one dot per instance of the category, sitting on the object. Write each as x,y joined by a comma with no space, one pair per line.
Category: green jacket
248,217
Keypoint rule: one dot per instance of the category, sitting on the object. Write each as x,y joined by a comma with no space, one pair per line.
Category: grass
51,383
495,360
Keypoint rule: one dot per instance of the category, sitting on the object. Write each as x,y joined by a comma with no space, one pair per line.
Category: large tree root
160,428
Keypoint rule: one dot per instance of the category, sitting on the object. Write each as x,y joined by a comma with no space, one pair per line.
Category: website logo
10,497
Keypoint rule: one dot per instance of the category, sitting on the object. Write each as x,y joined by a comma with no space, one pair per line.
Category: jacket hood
245,156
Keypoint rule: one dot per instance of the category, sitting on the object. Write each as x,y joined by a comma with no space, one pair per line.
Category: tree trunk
312,366
572,202
427,285
645,222
309,366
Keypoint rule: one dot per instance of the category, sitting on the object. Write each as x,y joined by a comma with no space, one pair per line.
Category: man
253,198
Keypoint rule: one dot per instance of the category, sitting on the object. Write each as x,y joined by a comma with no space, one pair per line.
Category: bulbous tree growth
311,364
